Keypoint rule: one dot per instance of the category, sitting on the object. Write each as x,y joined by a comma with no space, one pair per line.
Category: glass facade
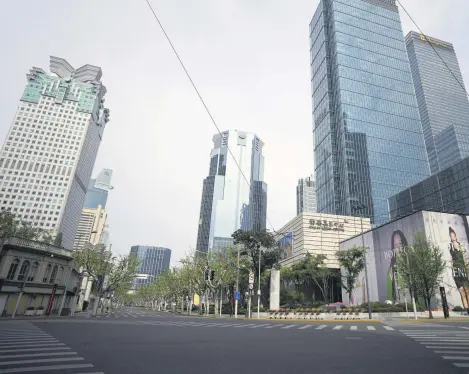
153,261
443,103
98,190
306,195
368,134
446,191
228,202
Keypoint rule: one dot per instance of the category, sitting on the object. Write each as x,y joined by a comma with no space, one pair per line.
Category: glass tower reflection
369,143
228,203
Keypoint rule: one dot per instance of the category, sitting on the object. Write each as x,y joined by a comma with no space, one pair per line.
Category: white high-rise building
228,202
306,195
51,147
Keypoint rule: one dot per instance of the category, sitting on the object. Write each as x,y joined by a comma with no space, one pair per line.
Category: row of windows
28,272
357,10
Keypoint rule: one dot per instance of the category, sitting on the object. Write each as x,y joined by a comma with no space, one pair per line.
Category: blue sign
237,295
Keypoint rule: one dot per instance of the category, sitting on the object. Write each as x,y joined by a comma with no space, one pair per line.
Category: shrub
30,308
458,309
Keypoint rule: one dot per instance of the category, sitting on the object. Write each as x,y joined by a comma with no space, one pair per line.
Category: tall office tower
443,103
368,135
91,227
98,190
228,202
153,261
306,196
50,150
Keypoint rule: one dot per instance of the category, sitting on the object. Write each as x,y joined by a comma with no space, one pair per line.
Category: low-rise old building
38,275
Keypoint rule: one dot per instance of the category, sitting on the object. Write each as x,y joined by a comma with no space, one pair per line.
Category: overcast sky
251,64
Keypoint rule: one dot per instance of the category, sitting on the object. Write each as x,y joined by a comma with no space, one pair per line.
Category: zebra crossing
24,348
118,314
260,325
451,344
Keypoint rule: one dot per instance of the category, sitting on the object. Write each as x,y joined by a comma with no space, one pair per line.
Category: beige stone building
318,233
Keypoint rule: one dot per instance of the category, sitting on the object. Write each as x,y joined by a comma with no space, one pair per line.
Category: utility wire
431,45
203,103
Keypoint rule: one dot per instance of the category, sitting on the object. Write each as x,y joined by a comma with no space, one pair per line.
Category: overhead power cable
202,101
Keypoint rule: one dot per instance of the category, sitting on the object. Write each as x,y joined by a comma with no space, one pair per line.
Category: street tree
421,267
109,273
352,261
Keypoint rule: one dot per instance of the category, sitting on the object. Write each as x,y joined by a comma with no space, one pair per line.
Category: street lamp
355,208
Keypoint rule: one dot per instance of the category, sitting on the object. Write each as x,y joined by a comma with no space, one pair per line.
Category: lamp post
359,208
237,285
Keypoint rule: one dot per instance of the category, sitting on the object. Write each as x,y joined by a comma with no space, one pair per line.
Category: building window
13,268
47,273
60,275
23,270
33,273
53,275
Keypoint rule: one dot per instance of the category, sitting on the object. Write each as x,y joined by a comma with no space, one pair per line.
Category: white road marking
39,354
45,368
353,328
456,357
257,326
337,327
446,347
304,327
452,352
31,345
370,327
321,327
389,328
41,360
271,327
461,365
288,326
32,349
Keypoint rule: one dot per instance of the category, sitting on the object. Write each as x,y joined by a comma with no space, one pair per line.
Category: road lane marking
461,365
337,327
321,327
389,328
31,345
304,327
452,352
445,347
45,368
466,328
370,327
288,326
353,328
41,360
39,354
455,357
32,349
271,327
257,326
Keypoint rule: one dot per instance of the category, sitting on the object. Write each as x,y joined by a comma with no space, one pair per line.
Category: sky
250,62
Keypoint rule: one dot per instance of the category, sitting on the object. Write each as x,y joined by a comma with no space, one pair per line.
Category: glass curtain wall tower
368,135
228,204
443,103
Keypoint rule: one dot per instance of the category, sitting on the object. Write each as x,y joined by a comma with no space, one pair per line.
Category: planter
30,312
39,312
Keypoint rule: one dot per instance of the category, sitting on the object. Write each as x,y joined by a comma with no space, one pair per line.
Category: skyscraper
368,134
228,202
98,190
443,103
50,150
306,195
153,261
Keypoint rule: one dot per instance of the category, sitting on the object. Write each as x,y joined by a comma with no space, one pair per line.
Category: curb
435,320
317,320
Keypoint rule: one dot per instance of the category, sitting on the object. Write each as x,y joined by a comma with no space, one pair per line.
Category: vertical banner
51,300
444,302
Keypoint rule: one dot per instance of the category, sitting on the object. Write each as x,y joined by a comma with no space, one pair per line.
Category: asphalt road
128,344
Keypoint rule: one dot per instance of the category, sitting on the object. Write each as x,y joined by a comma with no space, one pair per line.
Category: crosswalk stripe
389,328
31,345
257,326
337,327
31,349
371,328
304,327
39,354
288,326
466,328
41,360
45,368
271,327
353,328
445,347
321,327
452,352
462,365
456,357
38,341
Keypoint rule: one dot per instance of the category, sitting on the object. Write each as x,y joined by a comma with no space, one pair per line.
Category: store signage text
324,225
423,37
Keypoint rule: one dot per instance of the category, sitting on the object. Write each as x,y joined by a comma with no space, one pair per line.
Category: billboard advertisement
449,232
286,245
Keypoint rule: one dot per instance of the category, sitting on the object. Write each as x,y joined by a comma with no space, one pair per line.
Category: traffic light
212,275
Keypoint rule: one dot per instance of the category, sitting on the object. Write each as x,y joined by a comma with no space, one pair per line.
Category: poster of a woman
459,266
398,241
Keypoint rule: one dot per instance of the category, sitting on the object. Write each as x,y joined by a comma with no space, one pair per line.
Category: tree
421,267
109,273
353,262
255,241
